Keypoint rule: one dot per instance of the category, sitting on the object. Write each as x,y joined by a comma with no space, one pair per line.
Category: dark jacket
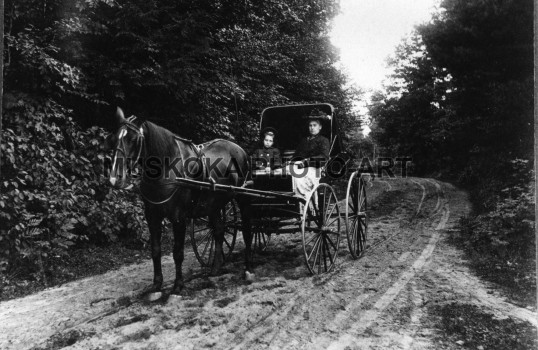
264,156
313,149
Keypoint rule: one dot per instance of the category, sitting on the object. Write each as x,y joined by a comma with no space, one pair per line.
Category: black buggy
321,217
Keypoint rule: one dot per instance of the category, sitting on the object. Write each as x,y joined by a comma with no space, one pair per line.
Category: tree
461,101
411,116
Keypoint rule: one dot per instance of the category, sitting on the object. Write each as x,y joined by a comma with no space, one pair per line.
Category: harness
128,124
168,188
204,176
199,151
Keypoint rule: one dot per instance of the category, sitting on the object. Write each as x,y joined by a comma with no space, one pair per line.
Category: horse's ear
120,117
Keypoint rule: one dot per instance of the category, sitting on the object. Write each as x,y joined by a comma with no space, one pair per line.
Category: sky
368,31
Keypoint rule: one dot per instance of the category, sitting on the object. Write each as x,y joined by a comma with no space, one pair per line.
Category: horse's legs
155,230
179,227
217,224
246,228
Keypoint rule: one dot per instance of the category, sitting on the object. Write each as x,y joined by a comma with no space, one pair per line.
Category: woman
310,155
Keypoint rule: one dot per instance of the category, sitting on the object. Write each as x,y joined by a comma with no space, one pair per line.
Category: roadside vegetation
471,328
460,102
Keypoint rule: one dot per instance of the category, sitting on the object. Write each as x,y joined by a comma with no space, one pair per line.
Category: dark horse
166,157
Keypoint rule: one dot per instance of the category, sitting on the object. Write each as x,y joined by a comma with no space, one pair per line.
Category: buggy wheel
202,238
320,228
260,240
356,219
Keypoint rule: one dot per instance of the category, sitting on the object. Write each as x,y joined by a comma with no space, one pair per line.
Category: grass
516,278
471,328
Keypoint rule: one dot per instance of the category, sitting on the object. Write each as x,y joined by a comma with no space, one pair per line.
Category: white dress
304,179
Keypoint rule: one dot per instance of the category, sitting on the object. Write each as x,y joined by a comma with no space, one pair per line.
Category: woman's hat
317,114
269,131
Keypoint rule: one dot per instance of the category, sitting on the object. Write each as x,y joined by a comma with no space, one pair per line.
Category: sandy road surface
376,302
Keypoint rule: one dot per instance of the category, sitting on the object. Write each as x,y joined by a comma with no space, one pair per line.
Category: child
268,157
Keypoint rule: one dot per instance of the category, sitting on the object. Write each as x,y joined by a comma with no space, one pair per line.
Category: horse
164,158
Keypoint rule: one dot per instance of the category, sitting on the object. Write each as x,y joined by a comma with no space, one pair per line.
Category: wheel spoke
317,214
329,250
324,249
331,242
228,244
314,248
334,220
351,202
355,223
322,244
209,242
314,263
354,194
200,229
351,217
361,202
205,237
202,238
310,240
331,212
212,249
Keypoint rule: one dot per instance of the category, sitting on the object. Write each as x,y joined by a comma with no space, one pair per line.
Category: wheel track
419,207
300,304
366,320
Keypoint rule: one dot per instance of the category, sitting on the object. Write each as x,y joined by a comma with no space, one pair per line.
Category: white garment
304,179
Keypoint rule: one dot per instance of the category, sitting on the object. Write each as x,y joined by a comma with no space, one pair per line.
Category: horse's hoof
154,288
154,296
176,290
250,277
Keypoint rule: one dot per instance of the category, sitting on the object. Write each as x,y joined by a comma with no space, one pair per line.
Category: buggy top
291,126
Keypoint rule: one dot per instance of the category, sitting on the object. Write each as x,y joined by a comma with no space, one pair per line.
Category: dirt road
380,301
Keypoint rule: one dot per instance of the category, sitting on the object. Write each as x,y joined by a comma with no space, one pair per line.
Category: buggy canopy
291,124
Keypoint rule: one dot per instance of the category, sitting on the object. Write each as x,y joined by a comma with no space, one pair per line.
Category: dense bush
54,193
507,229
502,248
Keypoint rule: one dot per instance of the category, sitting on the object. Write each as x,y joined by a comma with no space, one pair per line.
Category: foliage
506,231
411,117
53,192
203,69
461,104
461,98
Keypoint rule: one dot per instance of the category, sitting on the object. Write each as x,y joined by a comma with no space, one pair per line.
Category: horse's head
127,142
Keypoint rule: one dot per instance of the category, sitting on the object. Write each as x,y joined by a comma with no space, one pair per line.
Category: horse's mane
160,141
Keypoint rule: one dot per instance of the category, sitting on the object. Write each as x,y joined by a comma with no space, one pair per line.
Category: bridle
121,147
